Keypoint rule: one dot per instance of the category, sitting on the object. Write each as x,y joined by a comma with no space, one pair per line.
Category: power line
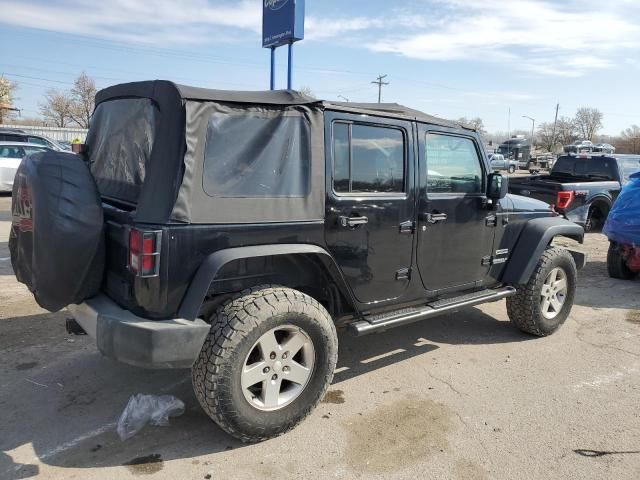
380,83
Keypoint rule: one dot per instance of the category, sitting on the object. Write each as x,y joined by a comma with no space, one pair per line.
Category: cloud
535,35
151,22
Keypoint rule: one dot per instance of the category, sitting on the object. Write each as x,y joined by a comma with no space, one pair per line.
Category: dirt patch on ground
334,396
395,436
633,316
468,470
147,465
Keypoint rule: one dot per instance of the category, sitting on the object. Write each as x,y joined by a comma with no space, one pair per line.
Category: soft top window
120,140
257,154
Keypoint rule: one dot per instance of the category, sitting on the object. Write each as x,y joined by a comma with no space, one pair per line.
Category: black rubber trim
535,237
207,272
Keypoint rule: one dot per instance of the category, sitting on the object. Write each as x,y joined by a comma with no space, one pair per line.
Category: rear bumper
125,337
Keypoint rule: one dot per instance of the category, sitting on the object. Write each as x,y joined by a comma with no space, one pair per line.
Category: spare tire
57,230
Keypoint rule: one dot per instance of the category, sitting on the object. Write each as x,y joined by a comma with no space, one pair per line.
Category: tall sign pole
282,24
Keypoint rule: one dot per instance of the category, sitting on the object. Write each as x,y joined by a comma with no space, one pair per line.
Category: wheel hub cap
278,368
553,293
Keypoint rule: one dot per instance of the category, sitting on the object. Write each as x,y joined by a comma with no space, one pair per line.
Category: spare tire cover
57,230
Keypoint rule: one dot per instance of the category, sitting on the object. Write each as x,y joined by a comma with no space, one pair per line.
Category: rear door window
253,155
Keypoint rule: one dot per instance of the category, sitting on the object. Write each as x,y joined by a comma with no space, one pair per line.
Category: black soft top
166,92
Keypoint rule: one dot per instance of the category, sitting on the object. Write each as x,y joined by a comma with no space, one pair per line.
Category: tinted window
119,141
453,165
629,166
11,152
601,168
368,159
38,140
29,150
253,155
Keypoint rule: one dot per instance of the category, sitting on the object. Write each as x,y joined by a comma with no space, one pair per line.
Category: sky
450,58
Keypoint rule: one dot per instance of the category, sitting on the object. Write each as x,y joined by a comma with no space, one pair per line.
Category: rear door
370,206
455,226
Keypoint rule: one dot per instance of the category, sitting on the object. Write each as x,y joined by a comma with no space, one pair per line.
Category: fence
65,134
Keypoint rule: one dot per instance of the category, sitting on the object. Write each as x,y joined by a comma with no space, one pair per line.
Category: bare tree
57,108
631,138
566,131
588,121
7,90
307,91
476,123
546,136
83,94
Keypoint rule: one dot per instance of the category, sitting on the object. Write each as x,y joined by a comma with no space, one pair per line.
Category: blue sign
282,22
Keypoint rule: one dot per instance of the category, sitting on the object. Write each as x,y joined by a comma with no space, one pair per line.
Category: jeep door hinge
403,274
407,227
491,221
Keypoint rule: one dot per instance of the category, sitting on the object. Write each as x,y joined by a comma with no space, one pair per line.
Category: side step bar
374,323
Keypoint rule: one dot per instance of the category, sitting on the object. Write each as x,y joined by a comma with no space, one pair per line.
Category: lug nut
285,355
265,370
274,377
286,369
272,356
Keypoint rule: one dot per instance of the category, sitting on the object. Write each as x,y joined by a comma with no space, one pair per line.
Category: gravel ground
464,396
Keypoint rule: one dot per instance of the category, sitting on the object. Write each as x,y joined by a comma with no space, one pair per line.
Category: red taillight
144,252
564,199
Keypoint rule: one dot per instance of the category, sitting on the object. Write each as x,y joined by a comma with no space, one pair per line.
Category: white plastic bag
143,409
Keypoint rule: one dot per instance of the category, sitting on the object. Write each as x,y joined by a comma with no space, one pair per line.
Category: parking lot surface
464,396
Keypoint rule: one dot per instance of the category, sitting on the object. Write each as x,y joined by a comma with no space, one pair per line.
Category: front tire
616,265
542,305
267,362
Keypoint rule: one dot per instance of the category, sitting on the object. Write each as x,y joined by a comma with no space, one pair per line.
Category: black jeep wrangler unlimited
232,232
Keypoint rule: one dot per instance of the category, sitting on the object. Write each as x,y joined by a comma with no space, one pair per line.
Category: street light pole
533,125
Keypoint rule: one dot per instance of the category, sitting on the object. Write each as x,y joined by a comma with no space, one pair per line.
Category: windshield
119,143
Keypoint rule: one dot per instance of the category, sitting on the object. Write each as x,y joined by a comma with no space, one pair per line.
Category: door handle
352,221
436,217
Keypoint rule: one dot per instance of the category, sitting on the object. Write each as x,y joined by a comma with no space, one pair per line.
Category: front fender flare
534,238
211,266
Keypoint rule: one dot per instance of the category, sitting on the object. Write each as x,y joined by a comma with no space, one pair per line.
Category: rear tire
542,305
616,265
248,341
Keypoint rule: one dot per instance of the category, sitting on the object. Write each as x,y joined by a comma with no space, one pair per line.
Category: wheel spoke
268,344
556,304
294,343
560,285
253,374
271,392
297,373
553,276
545,305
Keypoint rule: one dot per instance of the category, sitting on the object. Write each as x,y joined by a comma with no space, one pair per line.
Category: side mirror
497,186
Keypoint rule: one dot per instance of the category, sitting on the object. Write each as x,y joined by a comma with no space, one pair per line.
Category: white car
11,154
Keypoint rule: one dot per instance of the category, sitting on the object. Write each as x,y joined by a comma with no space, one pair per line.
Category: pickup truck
582,188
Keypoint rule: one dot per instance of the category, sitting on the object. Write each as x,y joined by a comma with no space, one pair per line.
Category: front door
455,227
369,207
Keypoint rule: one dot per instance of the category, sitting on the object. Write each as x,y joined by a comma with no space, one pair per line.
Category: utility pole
533,126
555,122
380,83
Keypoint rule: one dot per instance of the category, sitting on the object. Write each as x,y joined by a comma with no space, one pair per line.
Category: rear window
599,168
119,141
254,155
629,166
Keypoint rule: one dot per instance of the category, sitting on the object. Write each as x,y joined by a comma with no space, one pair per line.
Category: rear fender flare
534,239
214,263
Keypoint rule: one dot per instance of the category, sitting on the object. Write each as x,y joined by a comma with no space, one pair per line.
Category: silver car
498,162
11,154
